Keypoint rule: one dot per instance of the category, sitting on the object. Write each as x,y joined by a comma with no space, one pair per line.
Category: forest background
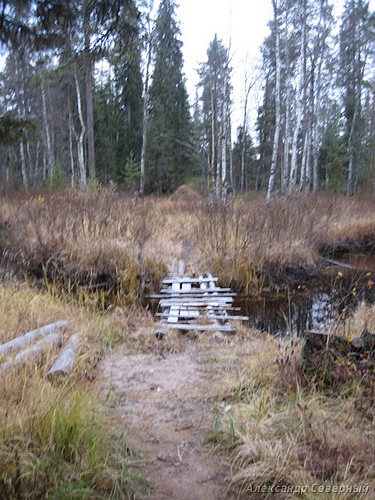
65,123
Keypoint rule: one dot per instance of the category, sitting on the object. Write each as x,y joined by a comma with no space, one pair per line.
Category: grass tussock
106,241
286,432
53,442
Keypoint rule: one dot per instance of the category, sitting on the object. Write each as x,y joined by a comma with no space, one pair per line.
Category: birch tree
215,85
272,176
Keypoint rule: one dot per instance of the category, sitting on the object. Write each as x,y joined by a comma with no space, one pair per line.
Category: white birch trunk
20,113
71,154
285,170
145,121
244,130
272,177
231,172
80,144
50,160
297,128
23,167
224,149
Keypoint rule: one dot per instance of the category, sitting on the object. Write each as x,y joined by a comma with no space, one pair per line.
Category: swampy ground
191,416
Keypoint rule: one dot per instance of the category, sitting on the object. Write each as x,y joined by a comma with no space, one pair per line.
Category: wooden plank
200,291
191,302
209,327
173,314
182,314
229,318
189,296
170,281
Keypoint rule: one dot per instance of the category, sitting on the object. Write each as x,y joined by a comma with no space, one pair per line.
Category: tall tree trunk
272,177
25,180
213,146
231,172
145,118
297,128
50,160
244,129
89,95
224,142
352,171
71,154
285,169
80,143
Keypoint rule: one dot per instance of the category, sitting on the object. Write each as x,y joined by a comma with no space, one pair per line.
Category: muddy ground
171,406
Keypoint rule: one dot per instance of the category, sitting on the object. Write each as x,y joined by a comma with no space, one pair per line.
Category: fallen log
65,362
29,337
34,354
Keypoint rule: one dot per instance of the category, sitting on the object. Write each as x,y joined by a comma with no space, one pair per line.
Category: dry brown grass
288,434
99,240
50,432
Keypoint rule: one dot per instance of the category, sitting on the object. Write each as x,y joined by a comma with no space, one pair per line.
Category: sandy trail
168,404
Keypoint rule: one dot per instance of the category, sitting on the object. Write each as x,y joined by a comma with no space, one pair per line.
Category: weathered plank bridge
196,303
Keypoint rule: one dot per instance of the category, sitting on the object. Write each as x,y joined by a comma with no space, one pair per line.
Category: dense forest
94,93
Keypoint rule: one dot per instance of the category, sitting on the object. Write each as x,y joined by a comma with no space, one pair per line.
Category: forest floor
171,405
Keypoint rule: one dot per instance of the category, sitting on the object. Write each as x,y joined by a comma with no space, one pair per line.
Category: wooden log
189,326
29,337
65,362
190,302
229,318
34,354
199,291
194,294
170,281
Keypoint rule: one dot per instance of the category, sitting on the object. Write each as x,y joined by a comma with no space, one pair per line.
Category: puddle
314,306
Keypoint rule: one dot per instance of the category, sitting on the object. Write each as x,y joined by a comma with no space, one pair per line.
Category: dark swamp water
332,295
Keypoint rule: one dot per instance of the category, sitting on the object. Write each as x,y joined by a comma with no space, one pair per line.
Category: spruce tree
170,123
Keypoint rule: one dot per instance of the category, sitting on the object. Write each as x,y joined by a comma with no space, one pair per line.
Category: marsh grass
91,254
105,241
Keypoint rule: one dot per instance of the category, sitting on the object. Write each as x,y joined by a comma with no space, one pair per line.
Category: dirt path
168,403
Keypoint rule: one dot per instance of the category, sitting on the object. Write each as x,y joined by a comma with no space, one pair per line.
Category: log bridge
196,303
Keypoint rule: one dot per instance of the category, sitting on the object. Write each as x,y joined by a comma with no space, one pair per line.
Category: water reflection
317,306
